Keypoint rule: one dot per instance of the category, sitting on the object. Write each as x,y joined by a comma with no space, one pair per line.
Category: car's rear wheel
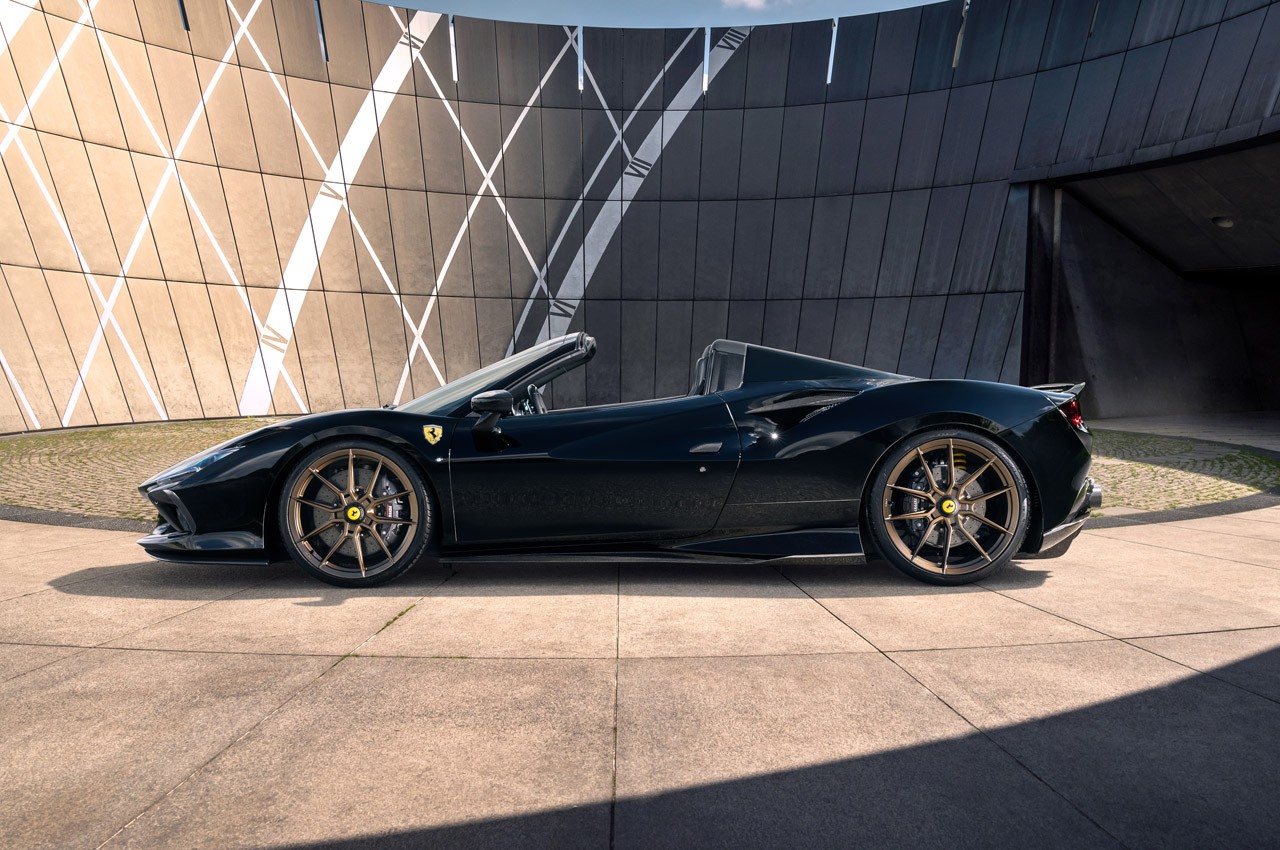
948,507
355,514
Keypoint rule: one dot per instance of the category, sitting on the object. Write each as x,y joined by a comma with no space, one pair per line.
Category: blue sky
656,13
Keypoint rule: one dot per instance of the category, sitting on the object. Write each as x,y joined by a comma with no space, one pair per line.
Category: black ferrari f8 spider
770,455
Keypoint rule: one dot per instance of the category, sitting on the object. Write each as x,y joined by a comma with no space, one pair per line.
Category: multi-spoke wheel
355,514
948,507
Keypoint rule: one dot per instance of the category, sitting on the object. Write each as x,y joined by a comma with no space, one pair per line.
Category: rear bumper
1060,538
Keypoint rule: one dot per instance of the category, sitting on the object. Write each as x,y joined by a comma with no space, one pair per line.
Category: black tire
941,528
346,527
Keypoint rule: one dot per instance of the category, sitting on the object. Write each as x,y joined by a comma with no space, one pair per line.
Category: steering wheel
535,398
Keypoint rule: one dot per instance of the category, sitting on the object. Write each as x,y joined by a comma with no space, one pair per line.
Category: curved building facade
223,207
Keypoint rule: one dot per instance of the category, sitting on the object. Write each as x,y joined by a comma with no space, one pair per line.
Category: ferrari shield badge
433,433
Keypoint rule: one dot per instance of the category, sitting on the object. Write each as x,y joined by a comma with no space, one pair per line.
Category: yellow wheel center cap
947,506
355,513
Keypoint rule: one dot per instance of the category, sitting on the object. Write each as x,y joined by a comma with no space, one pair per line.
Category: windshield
443,400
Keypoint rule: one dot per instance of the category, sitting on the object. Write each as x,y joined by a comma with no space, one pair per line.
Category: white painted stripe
13,14
304,260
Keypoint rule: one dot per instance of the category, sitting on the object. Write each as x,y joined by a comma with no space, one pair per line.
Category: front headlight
194,464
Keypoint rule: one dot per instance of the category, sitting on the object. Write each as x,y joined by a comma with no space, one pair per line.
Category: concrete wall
224,219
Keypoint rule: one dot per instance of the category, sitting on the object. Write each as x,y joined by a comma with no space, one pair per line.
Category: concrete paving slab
1271,514
511,611
91,741
720,609
1248,658
816,751
17,658
1235,526
408,750
894,612
22,573
1157,755
1199,541
91,612
32,539
1126,589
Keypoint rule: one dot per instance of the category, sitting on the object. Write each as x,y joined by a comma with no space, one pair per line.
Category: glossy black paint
767,456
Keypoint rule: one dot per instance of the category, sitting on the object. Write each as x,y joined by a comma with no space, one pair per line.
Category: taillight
1071,410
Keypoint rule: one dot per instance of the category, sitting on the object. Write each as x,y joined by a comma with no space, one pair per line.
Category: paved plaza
1124,695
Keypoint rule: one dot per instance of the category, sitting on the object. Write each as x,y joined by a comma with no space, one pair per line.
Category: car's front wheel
948,507
355,514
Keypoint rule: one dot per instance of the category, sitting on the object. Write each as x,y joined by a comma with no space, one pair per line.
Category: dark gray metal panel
807,68
978,240
1258,91
493,328
1112,27
936,45
677,248
907,212
446,212
640,230
716,222
458,336
1224,74
921,135
643,57
877,161
710,323
1239,7
781,324
1009,268
348,55
1134,94
644,122
530,218
841,140
483,125
522,163
564,227
727,90
681,159
980,49
801,142
761,135
894,52
1090,106
1156,21
1011,371
296,26
767,65
518,68
962,134
1006,113
817,323
1067,33
602,51
791,220
685,49
867,220
884,340
562,152
1178,85
941,239
441,146
826,246
1024,30
599,146
561,88
606,282
746,321
1050,100
851,71
920,338
995,330
475,42
721,148
435,53
752,239
675,326
603,320
1200,13
853,325
955,339
639,341
490,268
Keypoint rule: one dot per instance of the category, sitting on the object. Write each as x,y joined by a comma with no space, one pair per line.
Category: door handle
705,448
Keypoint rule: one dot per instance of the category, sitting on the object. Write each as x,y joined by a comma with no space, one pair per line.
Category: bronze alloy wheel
354,514
952,506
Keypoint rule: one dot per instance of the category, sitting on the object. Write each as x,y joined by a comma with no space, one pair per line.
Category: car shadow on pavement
1189,764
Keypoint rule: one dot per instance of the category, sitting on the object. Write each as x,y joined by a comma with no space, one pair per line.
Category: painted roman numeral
638,167
731,40
273,338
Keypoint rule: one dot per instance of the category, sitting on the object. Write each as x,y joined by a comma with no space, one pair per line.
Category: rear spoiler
1064,389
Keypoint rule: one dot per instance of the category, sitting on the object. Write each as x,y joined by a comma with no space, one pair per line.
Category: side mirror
494,401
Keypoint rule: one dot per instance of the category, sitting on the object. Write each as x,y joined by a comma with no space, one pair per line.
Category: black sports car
770,455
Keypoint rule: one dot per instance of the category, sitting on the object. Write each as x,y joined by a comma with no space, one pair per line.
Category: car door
635,471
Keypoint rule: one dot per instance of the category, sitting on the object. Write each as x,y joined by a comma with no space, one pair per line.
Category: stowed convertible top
726,365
